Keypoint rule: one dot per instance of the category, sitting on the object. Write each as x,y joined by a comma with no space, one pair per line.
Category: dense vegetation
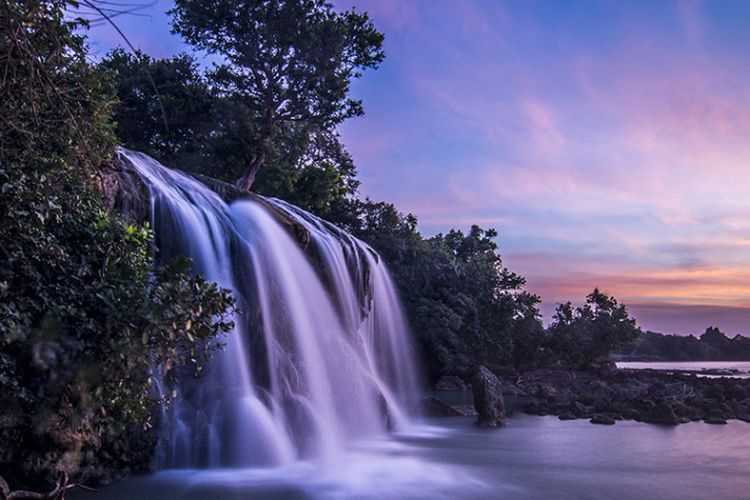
713,345
84,314
463,305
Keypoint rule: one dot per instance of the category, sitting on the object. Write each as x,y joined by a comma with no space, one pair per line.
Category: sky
608,142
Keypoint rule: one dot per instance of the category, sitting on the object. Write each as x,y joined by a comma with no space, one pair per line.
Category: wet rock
545,391
451,383
124,191
465,410
715,416
602,420
630,414
643,395
662,414
433,407
488,399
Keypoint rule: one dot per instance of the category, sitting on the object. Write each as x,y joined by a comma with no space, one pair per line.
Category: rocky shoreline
607,395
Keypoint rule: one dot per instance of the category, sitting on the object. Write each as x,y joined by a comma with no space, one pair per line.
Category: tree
173,124
52,102
287,71
586,335
463,305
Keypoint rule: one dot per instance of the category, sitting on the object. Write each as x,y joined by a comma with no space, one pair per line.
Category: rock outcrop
125,192
488,399
662,414
644,395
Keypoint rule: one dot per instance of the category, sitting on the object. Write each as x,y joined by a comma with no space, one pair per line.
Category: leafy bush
84,318
84,315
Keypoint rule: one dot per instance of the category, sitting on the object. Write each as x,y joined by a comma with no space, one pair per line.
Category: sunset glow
607,142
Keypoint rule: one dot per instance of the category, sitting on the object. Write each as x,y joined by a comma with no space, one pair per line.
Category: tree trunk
248,178
245,182
58,493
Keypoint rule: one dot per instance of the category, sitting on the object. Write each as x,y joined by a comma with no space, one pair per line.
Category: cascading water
320,353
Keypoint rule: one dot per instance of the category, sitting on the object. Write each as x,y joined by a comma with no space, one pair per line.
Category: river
533,457
739,369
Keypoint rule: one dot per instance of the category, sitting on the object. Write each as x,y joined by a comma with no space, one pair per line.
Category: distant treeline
713,345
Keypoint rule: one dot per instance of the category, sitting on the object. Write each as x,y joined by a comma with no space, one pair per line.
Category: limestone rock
488,399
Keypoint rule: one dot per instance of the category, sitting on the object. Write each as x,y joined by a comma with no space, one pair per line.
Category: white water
320,355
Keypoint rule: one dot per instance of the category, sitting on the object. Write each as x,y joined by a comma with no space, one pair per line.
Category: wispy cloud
607,141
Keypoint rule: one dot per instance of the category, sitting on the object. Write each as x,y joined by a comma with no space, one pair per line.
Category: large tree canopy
287,67
585,335
464,306
170,125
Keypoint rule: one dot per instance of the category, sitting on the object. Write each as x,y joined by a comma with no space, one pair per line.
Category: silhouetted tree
176,135
286,70
585,335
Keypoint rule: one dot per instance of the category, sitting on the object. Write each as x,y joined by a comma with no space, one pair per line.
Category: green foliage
583,335
84,318
173,125
286,76
52,102
713,345
204,134
464,306
84,315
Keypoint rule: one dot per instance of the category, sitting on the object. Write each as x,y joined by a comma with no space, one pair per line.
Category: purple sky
608,142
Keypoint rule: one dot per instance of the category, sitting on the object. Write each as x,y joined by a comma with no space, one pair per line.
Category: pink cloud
546,136
689,13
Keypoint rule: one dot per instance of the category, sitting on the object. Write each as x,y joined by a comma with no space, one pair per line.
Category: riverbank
530,458
739,369
610,395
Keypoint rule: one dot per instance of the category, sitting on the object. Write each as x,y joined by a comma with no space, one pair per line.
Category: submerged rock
433,407
644,395
715,416
488,399
451,383
661,414
602,420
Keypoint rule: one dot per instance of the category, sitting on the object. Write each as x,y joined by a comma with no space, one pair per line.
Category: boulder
602,420
715,416
662,414
488,399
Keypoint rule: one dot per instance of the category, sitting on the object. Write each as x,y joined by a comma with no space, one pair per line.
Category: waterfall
320,354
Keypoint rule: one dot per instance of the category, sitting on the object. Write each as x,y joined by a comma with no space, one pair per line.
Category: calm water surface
534,457
741,367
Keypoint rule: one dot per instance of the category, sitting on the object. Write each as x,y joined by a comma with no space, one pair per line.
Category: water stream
320,355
